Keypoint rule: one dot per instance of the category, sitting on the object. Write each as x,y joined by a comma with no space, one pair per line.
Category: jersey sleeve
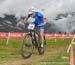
39,14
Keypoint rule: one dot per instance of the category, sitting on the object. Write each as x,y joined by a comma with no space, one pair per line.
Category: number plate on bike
31,26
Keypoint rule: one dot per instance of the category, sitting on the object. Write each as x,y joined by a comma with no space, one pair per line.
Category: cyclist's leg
41,29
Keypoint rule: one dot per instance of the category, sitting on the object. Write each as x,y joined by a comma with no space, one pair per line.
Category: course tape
21,34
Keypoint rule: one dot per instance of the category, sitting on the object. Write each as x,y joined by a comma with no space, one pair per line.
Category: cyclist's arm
25,19
45,20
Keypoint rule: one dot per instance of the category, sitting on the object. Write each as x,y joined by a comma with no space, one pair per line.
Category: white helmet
31,10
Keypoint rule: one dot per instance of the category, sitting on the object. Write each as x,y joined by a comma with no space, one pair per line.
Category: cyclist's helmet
31,10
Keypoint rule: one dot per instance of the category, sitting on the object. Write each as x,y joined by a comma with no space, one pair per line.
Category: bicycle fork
34,41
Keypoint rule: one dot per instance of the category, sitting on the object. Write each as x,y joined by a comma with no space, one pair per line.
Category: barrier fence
21,34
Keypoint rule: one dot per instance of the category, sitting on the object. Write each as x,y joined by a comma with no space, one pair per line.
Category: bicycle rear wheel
27,46
41,50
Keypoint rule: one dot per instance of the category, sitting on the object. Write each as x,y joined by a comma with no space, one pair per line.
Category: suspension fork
34,39
32,36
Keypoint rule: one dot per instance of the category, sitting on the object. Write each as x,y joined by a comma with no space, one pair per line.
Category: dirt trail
34,58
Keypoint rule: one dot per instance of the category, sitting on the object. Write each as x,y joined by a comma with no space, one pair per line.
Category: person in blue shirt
40,19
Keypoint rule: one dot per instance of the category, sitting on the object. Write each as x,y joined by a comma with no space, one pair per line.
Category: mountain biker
40,19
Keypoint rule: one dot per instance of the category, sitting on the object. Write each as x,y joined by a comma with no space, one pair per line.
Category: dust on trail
33,58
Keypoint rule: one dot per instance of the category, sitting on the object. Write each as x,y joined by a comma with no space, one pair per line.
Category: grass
57,52
10,51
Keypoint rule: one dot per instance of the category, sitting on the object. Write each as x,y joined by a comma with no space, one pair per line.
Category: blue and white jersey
39,18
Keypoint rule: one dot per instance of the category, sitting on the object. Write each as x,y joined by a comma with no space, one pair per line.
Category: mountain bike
30,40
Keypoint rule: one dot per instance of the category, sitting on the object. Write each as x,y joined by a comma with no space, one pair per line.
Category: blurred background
61,15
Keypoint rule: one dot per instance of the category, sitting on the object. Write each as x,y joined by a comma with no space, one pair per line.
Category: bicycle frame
32,31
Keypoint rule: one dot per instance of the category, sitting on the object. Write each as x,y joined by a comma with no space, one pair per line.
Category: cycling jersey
39,18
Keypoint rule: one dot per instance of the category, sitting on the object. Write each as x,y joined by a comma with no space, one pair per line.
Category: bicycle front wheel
27,46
